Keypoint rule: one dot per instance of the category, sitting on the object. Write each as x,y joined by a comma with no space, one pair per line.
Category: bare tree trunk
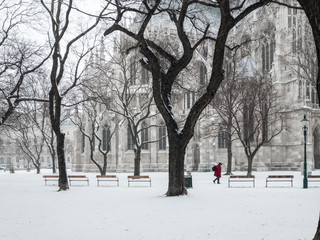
137,160
249,172
229,147
176,167
104,167
63,180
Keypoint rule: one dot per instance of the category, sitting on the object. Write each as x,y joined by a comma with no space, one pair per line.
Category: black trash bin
188,181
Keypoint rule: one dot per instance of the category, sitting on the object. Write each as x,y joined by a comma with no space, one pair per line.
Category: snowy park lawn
29,210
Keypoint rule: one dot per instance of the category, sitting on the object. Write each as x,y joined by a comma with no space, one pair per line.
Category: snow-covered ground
29,210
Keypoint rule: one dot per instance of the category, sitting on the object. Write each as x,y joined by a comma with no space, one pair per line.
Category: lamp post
305,128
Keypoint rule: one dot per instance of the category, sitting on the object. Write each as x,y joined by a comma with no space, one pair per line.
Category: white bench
132,179
78,178
107,178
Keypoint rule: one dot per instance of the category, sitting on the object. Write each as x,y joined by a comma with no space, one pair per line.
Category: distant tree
166,64
91,124
225,103
27,132
257,116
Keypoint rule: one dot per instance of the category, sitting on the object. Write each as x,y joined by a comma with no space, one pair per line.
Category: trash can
188,181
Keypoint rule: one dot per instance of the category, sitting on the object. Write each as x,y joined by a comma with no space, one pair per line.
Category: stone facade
276,35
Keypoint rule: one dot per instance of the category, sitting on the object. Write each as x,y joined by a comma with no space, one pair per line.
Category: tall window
294,41
162,138
189,99
144,136
129,139
300,90
308,90
268,47
106,137
292,17
203,73
144,76
133,71
222,136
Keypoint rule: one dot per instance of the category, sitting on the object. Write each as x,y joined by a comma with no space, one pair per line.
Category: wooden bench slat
280,176
106,176
313,176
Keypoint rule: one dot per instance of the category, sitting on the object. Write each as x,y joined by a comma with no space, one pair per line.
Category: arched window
268,48
222,136
203,74
129,139
162,138
300,90
144,136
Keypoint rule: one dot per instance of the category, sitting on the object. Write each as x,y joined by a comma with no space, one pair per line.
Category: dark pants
217,178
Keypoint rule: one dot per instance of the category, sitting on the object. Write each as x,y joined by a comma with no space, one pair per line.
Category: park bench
313,178
78,178
138,179
241,178
51,178
107,178
279,178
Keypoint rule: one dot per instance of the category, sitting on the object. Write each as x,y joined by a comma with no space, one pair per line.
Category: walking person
217,173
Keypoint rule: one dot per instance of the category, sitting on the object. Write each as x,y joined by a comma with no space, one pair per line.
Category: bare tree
257,117
27,132
166,65
60,17
225,103
93,127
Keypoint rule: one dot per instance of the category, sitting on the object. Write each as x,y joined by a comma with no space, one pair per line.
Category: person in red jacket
217,173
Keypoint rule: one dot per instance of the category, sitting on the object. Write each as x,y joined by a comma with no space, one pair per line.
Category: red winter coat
217,172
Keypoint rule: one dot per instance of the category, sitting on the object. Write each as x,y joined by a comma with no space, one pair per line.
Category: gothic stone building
277,35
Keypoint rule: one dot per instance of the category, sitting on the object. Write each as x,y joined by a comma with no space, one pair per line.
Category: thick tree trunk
104,167
38,169
250,160
176,167
137,160
317,236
